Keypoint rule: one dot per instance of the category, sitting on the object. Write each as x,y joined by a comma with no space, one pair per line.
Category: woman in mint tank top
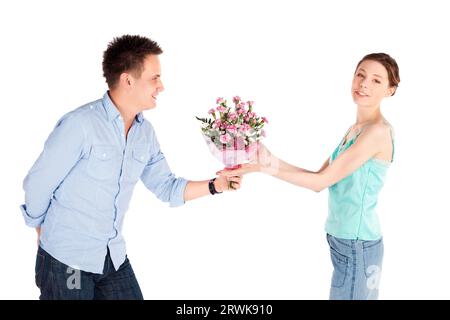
354,175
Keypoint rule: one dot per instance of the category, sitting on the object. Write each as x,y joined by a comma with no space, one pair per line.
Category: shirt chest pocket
104,162
137,161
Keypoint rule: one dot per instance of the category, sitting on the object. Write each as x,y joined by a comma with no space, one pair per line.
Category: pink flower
236,99
211,111
251,114
232,116
225,138
244,128
264,119
219,100
241,111
221,109
232,128
217,123
250,103
241,105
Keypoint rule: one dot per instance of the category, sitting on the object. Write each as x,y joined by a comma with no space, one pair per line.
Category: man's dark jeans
59,281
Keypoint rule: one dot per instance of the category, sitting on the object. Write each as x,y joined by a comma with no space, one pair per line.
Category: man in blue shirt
78,190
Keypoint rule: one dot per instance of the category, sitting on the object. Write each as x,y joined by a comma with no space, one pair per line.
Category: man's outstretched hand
227,183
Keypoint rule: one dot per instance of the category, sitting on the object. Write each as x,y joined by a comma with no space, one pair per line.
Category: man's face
146,88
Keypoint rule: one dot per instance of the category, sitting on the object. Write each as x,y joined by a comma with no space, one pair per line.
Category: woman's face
370,84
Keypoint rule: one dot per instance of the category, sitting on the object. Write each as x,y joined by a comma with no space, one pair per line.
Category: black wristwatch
212,188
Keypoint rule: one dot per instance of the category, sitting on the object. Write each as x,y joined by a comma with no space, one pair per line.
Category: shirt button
92,107
104,155
142,157
120,118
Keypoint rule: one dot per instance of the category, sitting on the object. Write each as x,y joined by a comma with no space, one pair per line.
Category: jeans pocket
373,259
340,263
340,266
39,268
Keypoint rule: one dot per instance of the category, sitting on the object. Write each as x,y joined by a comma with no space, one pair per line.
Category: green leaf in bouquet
202,119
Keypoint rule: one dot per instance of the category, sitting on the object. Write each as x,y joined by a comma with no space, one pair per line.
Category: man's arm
197,189
159,179
62,150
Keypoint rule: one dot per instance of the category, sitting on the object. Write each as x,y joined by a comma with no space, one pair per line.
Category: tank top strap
360,131
393,140
345,136
391,129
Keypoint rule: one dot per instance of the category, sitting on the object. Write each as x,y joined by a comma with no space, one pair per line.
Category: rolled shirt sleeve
159,179
62,150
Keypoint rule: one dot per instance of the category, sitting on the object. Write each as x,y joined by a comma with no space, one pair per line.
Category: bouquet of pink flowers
232,135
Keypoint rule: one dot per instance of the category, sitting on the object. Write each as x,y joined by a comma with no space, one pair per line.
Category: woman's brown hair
389,63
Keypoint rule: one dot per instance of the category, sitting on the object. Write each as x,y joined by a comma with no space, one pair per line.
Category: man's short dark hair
127,54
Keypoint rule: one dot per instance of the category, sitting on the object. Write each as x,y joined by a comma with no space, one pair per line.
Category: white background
296,61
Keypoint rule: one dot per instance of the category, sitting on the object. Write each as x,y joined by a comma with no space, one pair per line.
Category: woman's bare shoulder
378,130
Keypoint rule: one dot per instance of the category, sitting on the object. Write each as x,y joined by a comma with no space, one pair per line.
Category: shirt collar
112,112
140,117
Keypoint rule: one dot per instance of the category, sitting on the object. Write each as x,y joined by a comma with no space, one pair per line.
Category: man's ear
125,79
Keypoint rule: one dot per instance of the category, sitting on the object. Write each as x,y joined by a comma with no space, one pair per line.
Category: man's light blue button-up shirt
79,188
